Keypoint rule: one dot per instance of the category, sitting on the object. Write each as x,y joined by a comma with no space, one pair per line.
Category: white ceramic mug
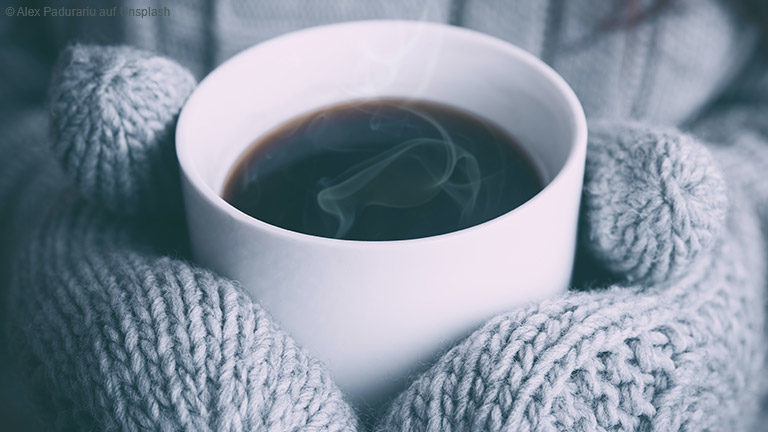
377,312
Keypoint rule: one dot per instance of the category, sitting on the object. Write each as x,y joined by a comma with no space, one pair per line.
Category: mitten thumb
653,201
113,112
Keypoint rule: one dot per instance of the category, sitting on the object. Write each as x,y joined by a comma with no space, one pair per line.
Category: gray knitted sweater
113,329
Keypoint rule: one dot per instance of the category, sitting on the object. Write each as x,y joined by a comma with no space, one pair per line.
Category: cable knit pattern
122,339
653,200
113,112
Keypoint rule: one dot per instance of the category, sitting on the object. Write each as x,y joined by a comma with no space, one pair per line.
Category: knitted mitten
676,342
115,335
118,335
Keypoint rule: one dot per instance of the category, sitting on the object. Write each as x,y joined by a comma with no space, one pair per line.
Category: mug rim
576,147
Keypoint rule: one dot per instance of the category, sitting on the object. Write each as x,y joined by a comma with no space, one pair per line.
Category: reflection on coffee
382,169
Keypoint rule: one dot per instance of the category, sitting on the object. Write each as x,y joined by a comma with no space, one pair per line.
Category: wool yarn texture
125,100
116,333
667,200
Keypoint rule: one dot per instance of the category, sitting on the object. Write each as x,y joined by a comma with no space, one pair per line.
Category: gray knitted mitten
675,343
115,335
118,335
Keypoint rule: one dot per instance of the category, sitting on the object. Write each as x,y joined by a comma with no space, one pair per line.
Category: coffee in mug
382,169
377,312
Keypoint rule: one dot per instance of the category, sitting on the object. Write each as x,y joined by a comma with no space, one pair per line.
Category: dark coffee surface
382,169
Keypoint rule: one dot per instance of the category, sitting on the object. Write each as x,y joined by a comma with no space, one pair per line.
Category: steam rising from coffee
408,174
382,169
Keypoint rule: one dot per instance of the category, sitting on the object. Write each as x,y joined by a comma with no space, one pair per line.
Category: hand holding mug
152,341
